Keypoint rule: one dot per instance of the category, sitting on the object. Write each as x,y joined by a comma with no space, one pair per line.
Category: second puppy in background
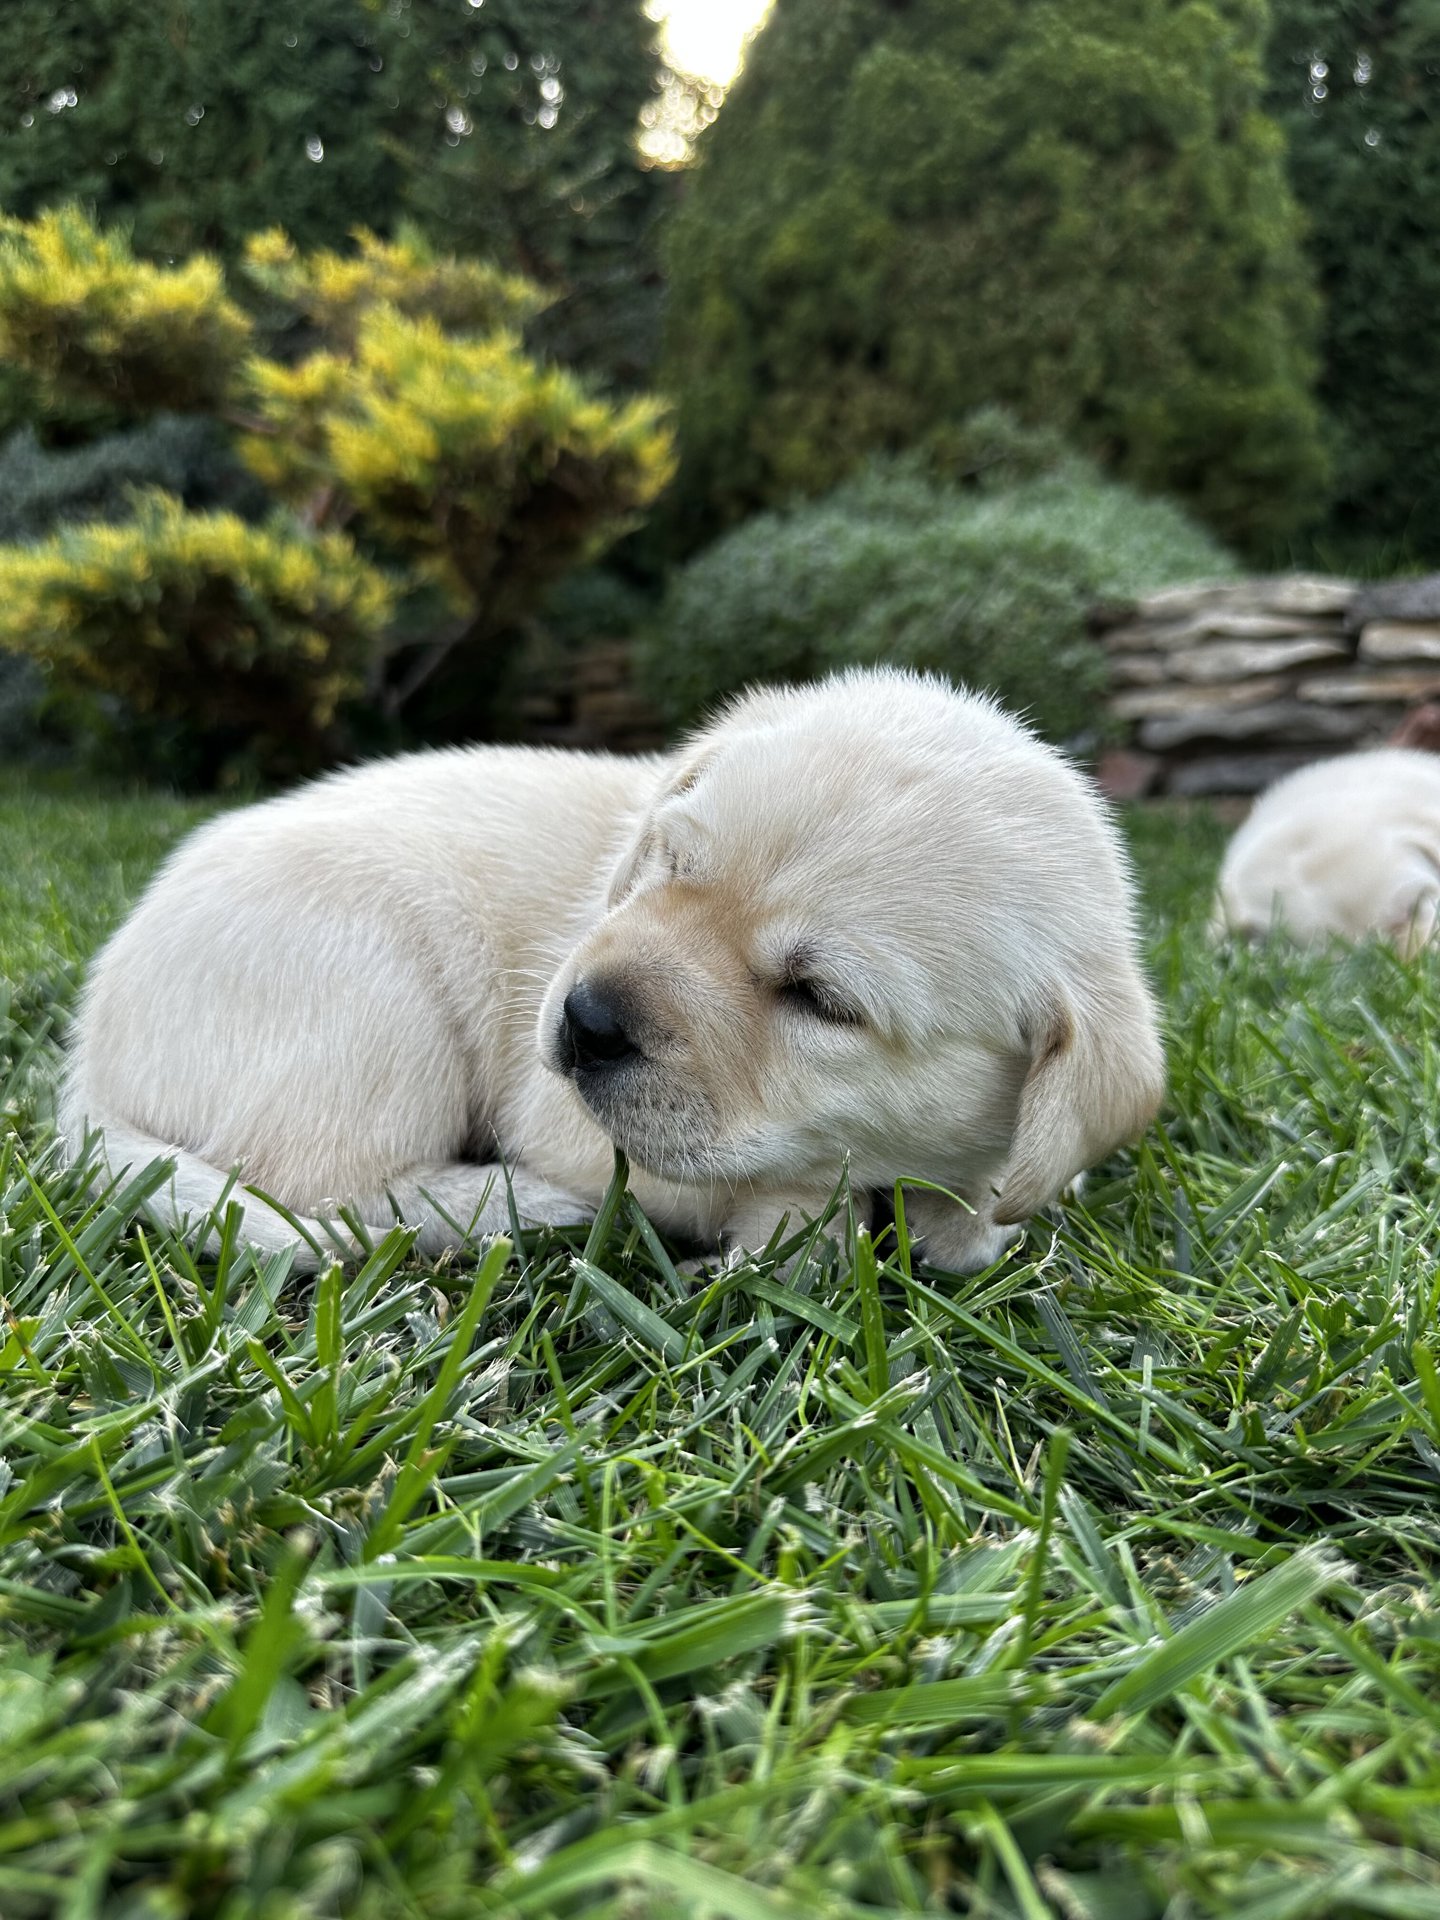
1345,848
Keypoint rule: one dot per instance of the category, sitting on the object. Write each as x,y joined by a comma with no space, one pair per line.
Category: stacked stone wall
1217,688
586,700
1222,688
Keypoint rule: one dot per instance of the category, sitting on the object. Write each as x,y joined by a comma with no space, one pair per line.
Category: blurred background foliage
982,565
974,314
1354,86
430,463
1079,210
508,129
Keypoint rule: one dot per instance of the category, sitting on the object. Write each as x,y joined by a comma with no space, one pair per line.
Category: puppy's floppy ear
1096,1077
627,868
675,780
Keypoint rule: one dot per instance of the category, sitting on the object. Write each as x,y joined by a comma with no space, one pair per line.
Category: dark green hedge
1356,86
505,130
1078,210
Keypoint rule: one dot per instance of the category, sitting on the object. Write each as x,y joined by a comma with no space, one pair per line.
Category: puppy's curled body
1344,848
871,923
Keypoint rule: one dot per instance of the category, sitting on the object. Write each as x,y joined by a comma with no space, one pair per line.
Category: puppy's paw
464,1205
758,1221
538,1204
712,1265
950,1237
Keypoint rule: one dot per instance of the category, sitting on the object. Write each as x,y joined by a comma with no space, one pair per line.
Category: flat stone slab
1175,603
1292,594
1243,659
1238,772
1397,600
1138,670
1400,685
1147,701
1400,640
1307,593
1285,722
1166,636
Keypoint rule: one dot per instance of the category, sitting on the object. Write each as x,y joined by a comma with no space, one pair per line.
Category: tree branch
431,659
246,422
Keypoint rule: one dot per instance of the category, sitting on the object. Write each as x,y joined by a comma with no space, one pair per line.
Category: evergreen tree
196,124
506,130
1356,86
528,154
908,208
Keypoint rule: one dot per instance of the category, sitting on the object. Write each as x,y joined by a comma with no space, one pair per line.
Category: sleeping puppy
872,922
1347,847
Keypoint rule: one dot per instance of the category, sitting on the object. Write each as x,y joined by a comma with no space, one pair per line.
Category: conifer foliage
423,460
1356,86
1077,210
506,130
93,323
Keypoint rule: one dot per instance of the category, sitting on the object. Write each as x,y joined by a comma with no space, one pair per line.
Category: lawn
1100,1585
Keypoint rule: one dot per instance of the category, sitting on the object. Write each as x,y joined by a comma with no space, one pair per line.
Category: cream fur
354,993
1347,847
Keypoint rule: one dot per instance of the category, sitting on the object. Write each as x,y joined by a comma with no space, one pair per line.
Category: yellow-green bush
406,411
333,291
245,632
78,310
466,454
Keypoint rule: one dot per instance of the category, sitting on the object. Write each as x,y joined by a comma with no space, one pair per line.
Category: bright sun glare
706,37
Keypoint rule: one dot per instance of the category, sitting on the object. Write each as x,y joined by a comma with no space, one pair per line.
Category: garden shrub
43,488
329,293
989,584
250,635
402,408
1080,211
92,322
490,471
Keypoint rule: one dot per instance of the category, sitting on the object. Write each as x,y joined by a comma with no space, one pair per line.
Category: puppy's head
875,919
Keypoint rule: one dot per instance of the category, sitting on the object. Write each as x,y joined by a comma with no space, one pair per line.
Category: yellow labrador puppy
1346,847
871,921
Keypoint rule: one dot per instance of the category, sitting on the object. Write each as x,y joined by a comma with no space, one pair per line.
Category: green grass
70,864
1100,1585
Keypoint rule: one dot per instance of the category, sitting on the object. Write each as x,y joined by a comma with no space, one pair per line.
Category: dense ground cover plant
983,565
571,1584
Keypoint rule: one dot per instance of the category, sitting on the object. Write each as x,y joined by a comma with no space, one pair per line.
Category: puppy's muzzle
595,1032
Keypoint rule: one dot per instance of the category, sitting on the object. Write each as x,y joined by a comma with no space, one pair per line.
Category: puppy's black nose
595,1028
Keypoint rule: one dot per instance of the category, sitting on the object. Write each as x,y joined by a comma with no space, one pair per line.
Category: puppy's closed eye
818,1001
